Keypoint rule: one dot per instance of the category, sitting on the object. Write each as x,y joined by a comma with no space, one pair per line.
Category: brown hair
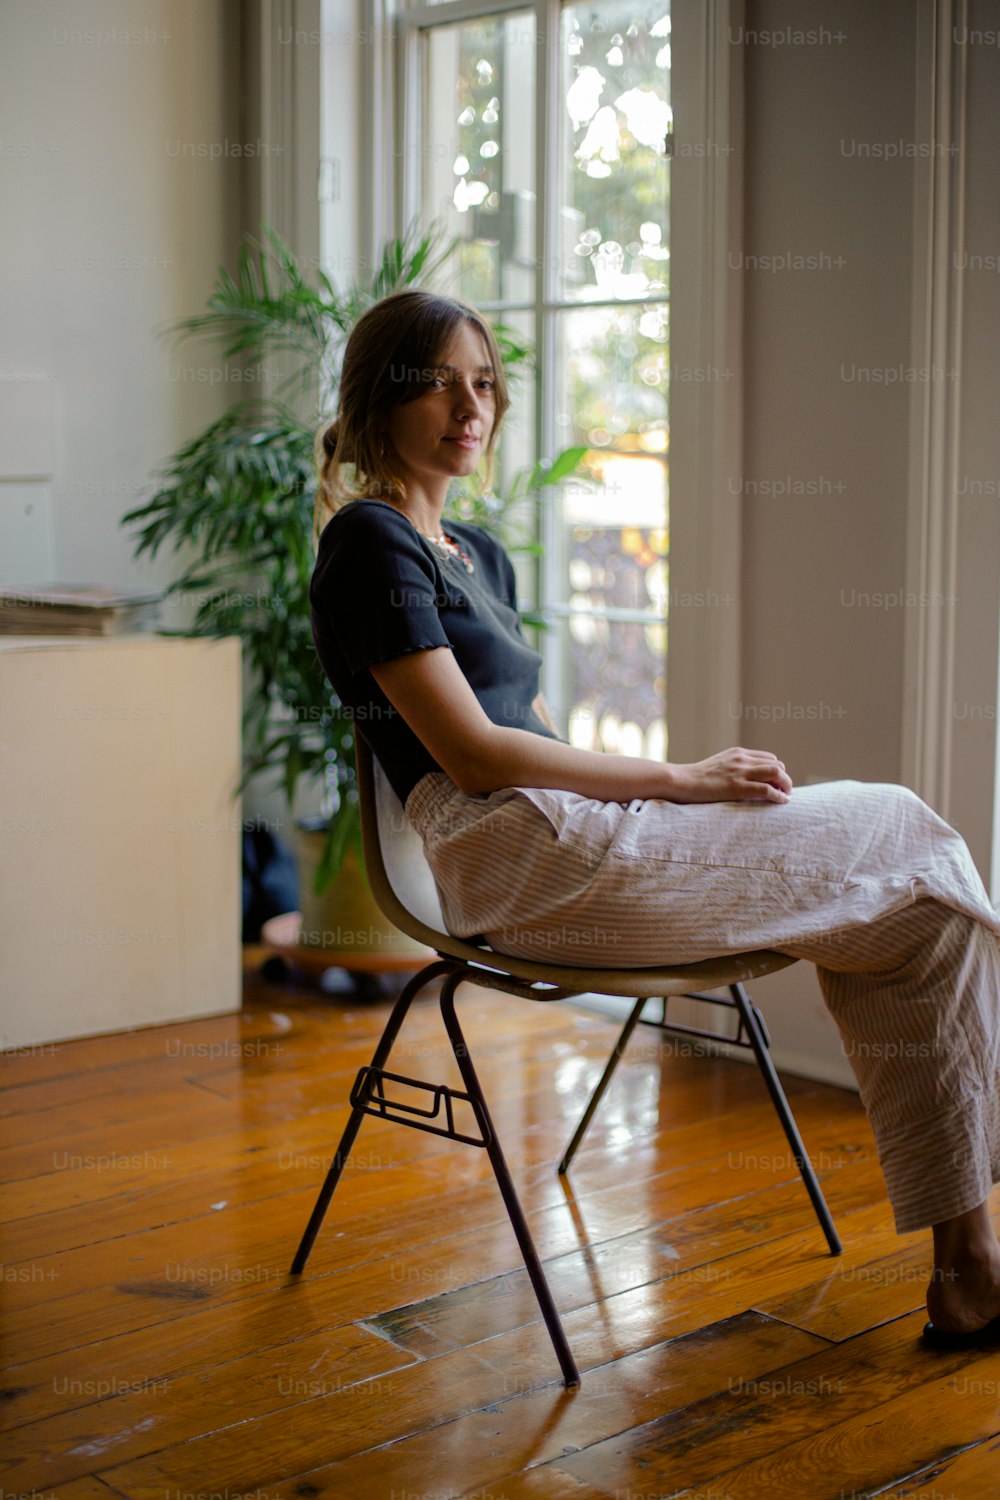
391,348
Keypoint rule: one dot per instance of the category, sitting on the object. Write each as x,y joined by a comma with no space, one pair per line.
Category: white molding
276,115
289,112
706,416
408,104
931,562
994,885
382,114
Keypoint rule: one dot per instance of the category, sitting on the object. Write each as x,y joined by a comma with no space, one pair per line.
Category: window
552,163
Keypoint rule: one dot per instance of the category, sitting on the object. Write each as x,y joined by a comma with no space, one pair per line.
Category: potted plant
241,493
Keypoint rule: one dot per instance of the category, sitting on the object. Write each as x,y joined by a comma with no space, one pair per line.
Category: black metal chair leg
605,1079
395,1021
571,1375
763,1056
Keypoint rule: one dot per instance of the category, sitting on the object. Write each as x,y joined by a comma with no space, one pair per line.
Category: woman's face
444,432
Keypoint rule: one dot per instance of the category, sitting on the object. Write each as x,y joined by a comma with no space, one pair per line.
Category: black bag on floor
270,880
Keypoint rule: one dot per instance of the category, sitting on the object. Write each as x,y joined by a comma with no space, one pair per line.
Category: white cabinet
120,841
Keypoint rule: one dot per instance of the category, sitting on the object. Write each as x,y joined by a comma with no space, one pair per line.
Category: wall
121,172
824,568
821,672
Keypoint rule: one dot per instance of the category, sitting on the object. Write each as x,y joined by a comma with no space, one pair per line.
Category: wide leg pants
862,879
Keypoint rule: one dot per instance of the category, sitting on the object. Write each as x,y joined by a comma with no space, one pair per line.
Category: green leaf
293,769
564,464
343,831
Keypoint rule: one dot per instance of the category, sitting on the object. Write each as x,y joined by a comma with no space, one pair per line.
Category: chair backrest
400,876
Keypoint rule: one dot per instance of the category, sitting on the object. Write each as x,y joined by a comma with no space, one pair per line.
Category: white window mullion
706,447
460,10
546,236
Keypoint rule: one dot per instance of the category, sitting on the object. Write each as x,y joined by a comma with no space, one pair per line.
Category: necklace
450,548
446,545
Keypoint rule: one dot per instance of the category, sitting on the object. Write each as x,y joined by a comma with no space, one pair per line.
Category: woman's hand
735,775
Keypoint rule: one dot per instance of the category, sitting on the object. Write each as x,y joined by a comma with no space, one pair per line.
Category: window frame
706,223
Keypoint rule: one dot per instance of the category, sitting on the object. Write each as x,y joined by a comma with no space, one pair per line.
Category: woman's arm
433,695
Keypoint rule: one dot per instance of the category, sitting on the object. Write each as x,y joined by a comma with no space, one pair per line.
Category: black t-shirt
379,590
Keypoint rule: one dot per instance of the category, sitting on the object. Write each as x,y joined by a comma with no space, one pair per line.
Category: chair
403,886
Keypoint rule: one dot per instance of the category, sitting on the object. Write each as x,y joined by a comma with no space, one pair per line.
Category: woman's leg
964,1290
916,997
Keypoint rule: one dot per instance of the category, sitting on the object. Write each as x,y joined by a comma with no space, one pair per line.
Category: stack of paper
75,609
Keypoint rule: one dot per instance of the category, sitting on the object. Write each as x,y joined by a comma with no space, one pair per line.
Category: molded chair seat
404,888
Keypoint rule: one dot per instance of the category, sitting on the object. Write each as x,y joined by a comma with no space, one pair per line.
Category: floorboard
156,1184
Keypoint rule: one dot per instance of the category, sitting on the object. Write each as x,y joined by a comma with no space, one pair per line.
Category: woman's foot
963,1296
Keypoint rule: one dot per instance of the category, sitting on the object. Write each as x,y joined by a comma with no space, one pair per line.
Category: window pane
612,378
609,531
614,193
614,671
477,157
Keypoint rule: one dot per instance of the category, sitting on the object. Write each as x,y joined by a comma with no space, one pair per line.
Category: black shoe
943,1338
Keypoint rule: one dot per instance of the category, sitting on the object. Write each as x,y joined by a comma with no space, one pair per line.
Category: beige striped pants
862,879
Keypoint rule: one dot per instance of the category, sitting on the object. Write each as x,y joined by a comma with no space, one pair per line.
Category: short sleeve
374,588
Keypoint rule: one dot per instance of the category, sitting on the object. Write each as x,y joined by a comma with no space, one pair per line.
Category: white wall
809,558
805,649
115,219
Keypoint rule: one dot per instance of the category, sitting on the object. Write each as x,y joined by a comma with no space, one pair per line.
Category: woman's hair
390,353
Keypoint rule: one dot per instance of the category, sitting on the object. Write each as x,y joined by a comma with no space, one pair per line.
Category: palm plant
242,494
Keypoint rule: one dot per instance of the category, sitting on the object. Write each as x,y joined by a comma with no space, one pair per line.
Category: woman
546,848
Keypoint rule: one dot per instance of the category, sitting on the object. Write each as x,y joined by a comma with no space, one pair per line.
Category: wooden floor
157,1183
